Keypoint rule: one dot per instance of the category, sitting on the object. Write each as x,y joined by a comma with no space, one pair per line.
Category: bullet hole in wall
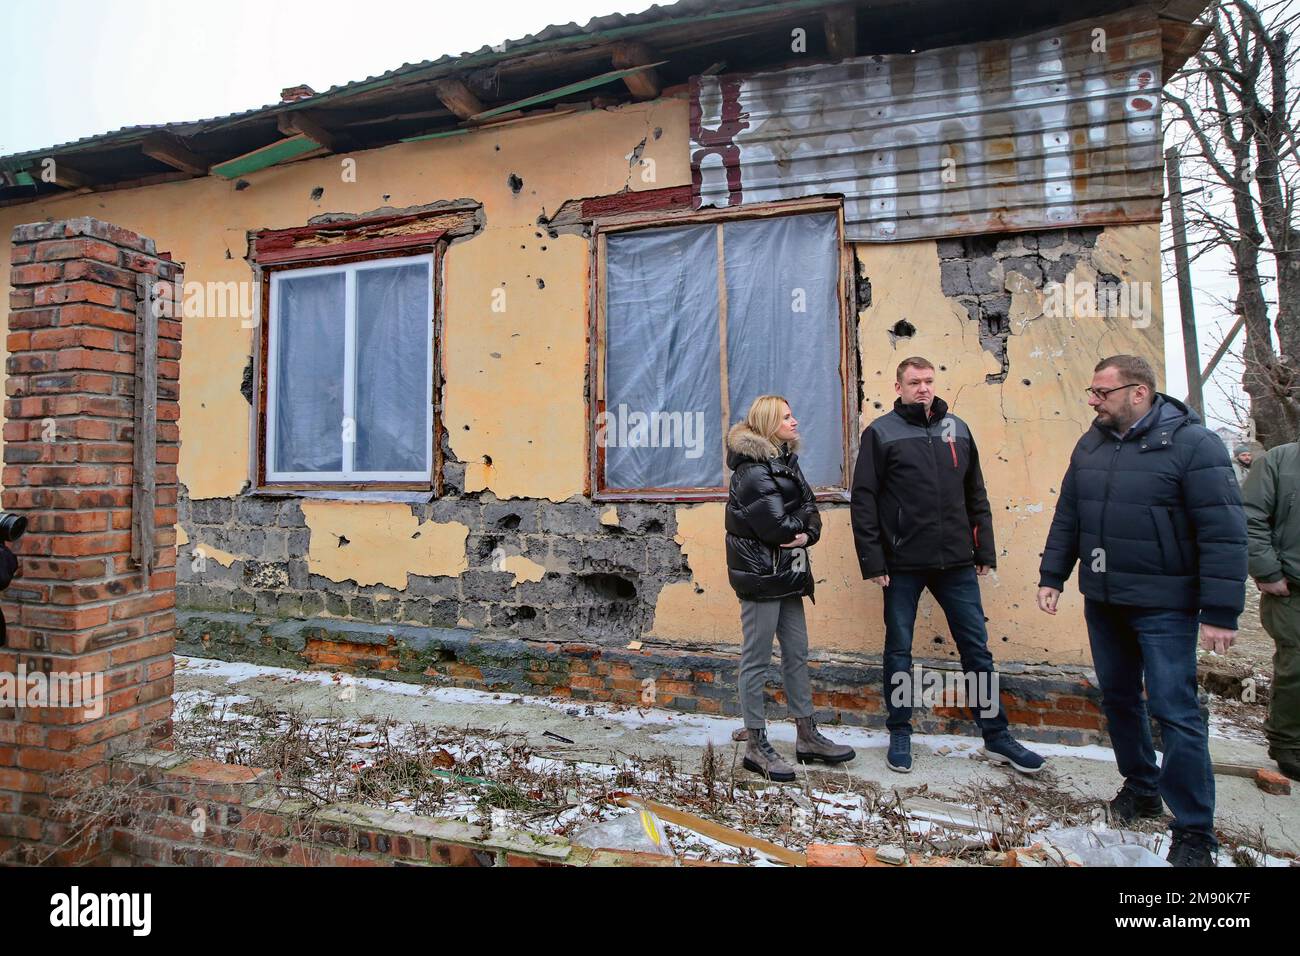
877,405
659,131
241,185
343,540
541,283
903,329
487,460
317,193
508,522
516,184
1025,381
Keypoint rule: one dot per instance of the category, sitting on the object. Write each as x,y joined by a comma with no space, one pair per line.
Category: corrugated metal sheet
1041,131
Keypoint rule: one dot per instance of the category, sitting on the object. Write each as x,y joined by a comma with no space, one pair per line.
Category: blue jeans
958,592
1131,645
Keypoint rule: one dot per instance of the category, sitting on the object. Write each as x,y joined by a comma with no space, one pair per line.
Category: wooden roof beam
458,98
645,85
300,123
67,177
172,151
841,25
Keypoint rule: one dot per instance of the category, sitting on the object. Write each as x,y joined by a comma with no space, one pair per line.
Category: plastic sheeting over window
350,394
392,368
665,401
661,365
783,329
309,373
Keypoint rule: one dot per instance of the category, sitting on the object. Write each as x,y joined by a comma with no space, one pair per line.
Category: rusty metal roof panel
1053,129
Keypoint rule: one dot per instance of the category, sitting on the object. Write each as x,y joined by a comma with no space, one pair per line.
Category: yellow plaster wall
384,543
514,379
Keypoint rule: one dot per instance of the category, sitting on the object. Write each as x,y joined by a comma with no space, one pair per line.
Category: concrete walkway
603,733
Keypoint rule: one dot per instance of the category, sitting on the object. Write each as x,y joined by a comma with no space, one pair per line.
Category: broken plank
714,831
295,147
949,815
1224,768
554,94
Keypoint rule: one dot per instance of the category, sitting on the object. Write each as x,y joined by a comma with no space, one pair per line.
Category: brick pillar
80,605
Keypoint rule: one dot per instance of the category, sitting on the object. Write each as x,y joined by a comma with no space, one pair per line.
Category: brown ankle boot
762,759
811,745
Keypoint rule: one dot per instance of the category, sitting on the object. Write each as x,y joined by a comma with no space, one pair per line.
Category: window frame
850,366
269,276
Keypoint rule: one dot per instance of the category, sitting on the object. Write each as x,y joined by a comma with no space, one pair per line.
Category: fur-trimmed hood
744,442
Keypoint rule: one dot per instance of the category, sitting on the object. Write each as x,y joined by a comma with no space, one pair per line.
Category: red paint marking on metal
719,141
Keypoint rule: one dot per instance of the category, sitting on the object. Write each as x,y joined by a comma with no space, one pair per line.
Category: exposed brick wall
80,605
1056,704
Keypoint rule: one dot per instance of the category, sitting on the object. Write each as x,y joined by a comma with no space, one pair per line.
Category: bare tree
1234,110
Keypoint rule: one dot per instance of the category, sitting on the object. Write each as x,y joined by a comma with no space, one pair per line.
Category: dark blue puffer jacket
1154,520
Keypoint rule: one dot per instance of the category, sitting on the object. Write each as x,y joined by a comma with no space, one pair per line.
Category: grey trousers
759,620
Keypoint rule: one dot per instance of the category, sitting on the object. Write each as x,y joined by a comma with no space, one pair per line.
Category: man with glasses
1150,509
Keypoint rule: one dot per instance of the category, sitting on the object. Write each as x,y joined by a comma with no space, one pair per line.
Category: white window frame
348,474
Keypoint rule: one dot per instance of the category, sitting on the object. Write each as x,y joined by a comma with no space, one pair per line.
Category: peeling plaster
379,543
522,568
223,558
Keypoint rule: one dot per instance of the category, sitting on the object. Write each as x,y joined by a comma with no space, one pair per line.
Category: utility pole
1191,353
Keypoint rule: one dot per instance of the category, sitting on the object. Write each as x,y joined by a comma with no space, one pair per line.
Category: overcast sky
80,67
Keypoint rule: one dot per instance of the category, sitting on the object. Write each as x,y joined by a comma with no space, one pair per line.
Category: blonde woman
771,523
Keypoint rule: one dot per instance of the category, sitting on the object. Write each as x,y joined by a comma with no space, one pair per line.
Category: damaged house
461,341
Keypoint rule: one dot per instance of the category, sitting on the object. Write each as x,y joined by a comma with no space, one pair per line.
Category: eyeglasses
1104,393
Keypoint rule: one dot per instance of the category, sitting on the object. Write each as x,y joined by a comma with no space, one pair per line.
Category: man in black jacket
921,520
1150,509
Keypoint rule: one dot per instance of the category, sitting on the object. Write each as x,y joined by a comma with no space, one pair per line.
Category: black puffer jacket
1154,519
768,504
918,494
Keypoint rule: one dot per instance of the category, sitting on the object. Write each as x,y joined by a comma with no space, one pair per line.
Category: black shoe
1191,849
1129,805
1289,764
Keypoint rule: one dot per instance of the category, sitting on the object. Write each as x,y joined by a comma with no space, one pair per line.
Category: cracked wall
1023,396
514,546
